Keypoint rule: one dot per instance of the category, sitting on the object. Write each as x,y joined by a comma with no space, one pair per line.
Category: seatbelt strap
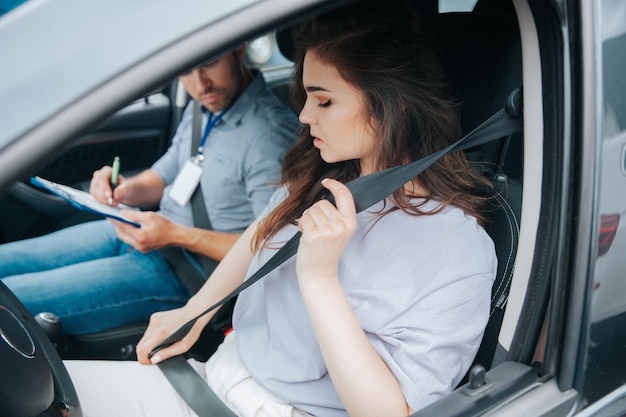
200,214
370,189
193,389
366,191
177,257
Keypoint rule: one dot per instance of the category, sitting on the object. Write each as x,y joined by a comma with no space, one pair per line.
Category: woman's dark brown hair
384,50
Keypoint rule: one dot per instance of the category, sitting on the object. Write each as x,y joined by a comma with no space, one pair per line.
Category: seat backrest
504,231
482,54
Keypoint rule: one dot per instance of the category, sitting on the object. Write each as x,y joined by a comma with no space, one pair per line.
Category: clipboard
83,200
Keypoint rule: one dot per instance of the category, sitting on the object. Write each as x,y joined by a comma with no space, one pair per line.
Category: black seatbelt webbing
198,208
200,214
193,389
366,191
185,380
177,257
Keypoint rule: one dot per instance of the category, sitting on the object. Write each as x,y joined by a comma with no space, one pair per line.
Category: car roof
112,52
99,40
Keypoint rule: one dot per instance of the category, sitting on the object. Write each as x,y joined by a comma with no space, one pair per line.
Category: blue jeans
89,278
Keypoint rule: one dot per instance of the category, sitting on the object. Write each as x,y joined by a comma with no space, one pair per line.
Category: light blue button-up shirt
242,159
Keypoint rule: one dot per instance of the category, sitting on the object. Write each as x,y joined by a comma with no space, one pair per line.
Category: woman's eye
325,104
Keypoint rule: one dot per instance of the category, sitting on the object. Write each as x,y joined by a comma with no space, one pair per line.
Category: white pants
109,388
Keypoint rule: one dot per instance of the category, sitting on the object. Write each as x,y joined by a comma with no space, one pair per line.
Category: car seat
482,54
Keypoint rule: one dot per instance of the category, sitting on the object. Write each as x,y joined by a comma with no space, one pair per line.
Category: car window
447,6
608,310
8,5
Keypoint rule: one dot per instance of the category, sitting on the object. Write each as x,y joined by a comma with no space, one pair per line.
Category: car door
138,133
562,344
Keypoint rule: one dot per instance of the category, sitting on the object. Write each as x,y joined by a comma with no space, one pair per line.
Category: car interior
481,50
483,54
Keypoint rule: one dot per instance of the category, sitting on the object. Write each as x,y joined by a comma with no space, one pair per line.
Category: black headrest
427,8
482,54
285,43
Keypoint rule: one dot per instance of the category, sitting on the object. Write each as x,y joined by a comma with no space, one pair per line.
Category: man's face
216,84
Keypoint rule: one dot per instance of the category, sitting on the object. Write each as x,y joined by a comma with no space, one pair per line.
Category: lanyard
213,119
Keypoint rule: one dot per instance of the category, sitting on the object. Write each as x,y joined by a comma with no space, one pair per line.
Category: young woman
379,313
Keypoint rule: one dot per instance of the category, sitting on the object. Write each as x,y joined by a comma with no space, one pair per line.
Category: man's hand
155,231
142,190
100,187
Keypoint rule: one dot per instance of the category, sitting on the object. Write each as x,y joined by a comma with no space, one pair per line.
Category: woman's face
335,112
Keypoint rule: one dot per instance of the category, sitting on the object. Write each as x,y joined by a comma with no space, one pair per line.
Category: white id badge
185,183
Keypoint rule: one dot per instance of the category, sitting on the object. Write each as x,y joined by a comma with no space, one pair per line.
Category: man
104,274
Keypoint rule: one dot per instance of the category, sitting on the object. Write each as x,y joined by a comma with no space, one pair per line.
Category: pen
115,172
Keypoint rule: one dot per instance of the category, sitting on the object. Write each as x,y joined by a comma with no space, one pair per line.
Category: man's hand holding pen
107,184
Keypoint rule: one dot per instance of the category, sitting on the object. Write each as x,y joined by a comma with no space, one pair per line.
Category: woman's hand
364,382
162,325
226,277
326,230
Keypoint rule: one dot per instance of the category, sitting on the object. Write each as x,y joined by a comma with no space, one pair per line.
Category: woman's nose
306,116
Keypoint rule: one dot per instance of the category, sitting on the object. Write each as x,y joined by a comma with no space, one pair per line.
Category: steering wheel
33,379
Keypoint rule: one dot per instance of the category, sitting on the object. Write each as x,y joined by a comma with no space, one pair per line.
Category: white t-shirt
419,285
